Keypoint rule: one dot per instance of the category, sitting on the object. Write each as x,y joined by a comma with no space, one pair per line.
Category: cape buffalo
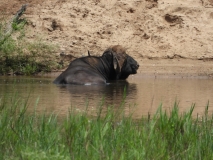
114,64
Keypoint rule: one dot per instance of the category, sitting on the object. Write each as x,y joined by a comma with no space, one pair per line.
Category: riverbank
166,68
165,37
179,68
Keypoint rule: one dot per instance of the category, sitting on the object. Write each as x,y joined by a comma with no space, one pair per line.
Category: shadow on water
113,93
95,95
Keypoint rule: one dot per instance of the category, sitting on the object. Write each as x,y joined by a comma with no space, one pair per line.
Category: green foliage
105,136
19,56
28,135
19,25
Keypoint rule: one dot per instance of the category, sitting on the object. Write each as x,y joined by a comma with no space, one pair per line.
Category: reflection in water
94,96
112,93
143,94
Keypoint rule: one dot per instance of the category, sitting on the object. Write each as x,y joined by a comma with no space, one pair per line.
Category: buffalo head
114,64
124,64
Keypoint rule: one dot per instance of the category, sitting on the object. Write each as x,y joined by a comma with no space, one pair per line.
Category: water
143,95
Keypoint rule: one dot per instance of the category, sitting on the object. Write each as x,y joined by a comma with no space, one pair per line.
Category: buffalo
114,64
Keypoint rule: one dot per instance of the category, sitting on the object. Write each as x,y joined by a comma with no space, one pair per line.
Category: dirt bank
168,37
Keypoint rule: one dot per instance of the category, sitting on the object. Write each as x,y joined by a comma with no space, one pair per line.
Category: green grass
109,135
18,55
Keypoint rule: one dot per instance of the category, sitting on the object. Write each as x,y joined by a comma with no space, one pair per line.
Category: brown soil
166,37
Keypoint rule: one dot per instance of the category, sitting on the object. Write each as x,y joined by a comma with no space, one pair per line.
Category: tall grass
108,135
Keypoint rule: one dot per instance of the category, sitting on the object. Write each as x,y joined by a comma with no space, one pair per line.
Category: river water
139,95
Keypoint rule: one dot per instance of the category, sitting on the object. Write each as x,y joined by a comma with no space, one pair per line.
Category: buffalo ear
89,53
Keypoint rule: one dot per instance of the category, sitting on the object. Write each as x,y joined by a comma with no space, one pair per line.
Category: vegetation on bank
109,135
21,56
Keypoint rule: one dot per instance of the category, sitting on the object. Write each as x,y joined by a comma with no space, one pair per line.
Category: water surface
142,95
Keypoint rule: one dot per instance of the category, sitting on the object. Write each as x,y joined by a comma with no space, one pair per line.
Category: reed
109,135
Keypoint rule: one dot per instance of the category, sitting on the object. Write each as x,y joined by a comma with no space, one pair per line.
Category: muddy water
143,94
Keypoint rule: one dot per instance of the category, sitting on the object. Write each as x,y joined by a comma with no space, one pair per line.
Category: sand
166,37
